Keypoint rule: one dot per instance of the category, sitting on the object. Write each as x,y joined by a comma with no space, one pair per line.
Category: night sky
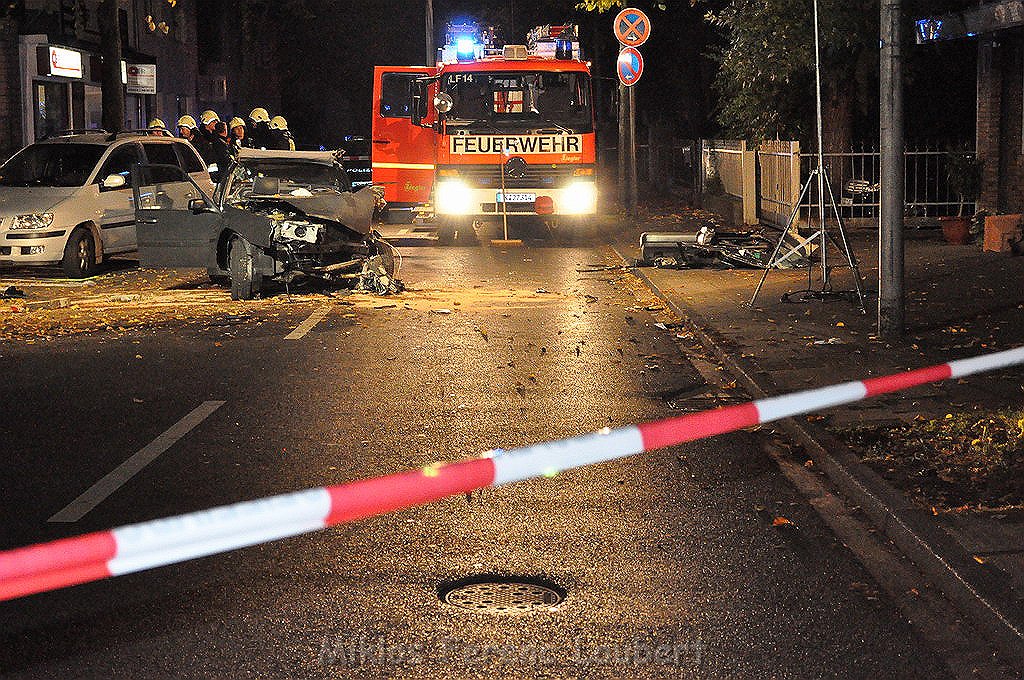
332,53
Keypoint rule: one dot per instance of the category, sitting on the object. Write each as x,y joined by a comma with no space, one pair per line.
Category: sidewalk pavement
961,302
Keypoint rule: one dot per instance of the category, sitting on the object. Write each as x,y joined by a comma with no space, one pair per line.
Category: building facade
50,65
1000,141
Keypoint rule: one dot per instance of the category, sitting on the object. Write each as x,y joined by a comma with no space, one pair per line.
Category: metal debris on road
711,248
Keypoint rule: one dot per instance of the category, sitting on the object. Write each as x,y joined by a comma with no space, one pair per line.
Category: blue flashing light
465,47
929,30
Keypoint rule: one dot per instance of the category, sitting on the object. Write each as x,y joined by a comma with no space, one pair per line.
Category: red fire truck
488,134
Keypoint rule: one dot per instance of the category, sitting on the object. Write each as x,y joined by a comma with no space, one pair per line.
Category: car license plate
515,198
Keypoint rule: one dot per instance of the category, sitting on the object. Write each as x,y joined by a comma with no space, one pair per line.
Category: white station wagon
68,200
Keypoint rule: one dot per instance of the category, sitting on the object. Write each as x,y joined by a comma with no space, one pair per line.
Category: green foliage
605,5
599,5
964,174
766,77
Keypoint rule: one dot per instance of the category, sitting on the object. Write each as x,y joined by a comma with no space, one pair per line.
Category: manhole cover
510,597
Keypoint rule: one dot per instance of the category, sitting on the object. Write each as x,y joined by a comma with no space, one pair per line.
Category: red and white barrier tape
66,562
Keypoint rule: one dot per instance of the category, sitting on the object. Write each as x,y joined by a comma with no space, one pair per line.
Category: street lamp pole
431,52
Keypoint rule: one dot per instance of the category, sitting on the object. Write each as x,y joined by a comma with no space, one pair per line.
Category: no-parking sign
630,66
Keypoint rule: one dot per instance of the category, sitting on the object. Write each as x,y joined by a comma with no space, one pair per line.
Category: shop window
50,102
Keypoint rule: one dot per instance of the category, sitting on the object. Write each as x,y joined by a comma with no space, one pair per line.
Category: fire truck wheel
455,230
575,231
445,233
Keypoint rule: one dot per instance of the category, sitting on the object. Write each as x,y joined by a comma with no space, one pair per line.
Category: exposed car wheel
575,231
245,281
445,232
79,259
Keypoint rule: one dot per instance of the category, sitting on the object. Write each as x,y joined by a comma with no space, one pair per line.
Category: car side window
162,154
120,162
190,160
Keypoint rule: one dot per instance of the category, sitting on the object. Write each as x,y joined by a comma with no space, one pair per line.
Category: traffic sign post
632,28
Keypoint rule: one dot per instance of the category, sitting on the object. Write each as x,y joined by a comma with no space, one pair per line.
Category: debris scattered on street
710,248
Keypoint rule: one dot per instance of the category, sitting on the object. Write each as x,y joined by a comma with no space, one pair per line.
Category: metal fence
672,165
856,175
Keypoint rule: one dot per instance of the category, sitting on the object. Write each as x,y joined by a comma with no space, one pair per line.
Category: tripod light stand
822,235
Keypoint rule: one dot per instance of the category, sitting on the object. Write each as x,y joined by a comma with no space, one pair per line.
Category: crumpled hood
352,209
24,200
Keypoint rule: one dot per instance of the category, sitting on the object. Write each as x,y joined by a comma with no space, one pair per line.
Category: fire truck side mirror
443,102
417,119
419,91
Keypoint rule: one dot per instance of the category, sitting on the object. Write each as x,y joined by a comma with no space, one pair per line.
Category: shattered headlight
33,221
299,231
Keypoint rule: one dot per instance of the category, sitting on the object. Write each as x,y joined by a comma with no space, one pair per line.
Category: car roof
321,157
105,138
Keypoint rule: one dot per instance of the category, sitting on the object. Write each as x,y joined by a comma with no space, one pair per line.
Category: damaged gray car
276,216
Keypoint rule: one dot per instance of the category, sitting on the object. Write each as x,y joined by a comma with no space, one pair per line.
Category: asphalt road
672,551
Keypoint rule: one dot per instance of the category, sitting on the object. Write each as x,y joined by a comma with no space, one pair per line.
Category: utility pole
891,313
623,144
113,88
431,52
631,154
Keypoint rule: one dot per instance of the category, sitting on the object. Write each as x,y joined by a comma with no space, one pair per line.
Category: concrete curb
976,589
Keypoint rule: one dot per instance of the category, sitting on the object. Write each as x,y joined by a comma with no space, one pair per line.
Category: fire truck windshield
518,100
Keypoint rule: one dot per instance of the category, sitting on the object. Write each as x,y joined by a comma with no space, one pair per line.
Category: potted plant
963,171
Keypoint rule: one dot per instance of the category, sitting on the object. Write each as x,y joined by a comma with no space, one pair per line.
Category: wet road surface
669,562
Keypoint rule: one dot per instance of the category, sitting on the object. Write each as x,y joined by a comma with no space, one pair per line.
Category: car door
193,164
403,155
116,210
179,235
170,189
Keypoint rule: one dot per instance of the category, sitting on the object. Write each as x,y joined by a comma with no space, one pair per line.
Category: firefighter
157,128
280,137
237,134
216,133
189,131
259,129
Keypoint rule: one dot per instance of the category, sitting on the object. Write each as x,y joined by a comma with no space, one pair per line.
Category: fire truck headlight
579,198
453,198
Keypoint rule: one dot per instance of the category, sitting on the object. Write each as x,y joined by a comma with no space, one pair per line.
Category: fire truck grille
537,176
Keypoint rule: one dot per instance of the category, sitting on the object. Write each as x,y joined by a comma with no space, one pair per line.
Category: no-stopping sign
632,27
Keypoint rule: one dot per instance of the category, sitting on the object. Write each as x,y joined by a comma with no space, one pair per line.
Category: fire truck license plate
515,198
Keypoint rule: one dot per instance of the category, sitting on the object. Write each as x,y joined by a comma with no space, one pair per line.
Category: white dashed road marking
117,477
307,325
